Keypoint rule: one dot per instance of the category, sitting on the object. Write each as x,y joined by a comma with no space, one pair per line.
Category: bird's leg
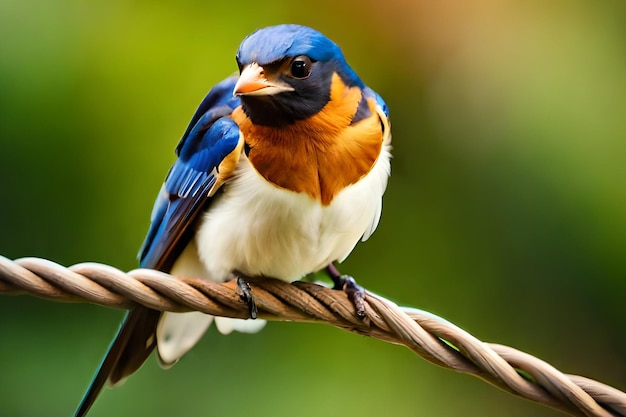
355,292
246,295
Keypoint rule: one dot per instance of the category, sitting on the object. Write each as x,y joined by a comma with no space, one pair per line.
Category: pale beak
253,82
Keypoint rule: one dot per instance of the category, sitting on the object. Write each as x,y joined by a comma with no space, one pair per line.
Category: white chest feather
259,229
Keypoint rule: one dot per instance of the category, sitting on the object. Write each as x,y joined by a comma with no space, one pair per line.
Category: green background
506,211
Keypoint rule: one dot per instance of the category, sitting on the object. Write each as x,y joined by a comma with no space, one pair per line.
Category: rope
430,336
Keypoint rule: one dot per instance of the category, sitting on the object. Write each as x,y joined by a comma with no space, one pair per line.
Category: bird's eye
300,67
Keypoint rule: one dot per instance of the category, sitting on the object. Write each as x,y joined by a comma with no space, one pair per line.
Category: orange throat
321,155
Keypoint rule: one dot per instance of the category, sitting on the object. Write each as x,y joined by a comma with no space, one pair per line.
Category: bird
280,173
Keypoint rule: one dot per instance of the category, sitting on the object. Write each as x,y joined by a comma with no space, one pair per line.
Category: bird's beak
254,82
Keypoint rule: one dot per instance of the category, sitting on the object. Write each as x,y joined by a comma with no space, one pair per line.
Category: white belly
259,229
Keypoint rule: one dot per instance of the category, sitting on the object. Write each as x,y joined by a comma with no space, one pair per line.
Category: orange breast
320,155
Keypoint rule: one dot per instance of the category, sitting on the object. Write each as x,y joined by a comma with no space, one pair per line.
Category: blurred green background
506,211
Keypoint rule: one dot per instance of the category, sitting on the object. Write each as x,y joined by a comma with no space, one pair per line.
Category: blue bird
280,173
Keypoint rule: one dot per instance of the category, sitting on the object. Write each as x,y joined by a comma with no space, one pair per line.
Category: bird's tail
177,333
133,344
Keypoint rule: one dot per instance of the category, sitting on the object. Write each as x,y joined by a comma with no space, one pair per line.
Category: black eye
300,67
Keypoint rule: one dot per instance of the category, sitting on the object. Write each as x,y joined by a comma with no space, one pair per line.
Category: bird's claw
246,296
355,293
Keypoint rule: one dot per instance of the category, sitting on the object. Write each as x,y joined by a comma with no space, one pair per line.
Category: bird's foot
246,296
355,293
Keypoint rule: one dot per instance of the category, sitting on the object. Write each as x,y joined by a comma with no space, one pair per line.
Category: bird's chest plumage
292,208
260,229
321,155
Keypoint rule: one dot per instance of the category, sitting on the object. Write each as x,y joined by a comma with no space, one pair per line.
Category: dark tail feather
133,344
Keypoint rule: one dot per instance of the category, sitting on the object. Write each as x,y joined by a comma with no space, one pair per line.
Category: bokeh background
506,211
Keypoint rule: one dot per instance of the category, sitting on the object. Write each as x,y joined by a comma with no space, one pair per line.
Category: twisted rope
430,336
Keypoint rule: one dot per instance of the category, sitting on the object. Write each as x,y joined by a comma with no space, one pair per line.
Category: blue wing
210,137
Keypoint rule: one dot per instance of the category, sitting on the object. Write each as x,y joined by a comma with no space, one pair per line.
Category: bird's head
286,73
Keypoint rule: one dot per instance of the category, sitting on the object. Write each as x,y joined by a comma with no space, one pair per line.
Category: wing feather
212,137
185,192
